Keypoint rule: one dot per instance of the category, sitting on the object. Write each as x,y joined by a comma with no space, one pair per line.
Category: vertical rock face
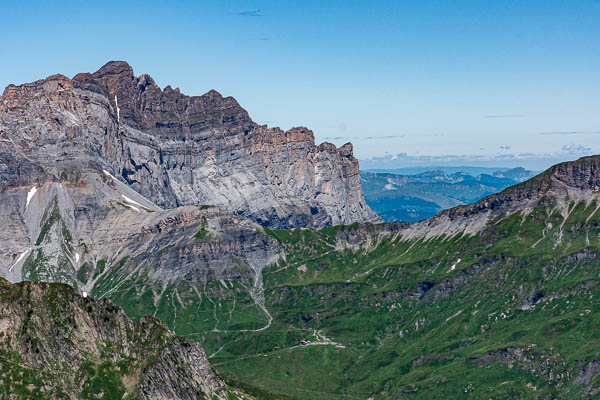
176,150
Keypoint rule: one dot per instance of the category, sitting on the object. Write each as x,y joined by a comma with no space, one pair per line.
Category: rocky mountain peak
583,173
299,134
114,68
144,106
175,149
347,150
213,93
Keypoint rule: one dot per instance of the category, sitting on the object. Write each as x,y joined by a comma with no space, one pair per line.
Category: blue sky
478,82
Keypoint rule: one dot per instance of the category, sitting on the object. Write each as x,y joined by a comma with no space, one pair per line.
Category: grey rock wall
175,150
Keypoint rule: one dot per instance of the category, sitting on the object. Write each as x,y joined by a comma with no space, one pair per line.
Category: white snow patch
118,109
223,283
76,257
127,199
389,186
454,265
18,259
131,202
30,195
109,174
84,294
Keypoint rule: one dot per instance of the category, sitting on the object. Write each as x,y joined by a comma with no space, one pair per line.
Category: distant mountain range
414,197
471,170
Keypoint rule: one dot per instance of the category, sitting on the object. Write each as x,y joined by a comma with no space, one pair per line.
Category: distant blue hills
449,170
416,193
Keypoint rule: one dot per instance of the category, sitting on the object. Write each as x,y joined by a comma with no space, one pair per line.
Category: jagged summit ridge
175,149
143,105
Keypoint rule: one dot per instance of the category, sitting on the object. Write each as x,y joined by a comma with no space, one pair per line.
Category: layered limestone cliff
175,150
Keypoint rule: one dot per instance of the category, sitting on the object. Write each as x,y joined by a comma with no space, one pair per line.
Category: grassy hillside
358,311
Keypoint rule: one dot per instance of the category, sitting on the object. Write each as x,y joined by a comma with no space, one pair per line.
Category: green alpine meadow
380,311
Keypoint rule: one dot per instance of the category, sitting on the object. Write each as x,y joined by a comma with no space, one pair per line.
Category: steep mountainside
496,299
413,198
174,150
57,344
95,230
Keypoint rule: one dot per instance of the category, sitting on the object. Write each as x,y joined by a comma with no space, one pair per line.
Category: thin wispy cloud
386,137
571,133
504,116
337,138
251,13
537,161
363,137
576,148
